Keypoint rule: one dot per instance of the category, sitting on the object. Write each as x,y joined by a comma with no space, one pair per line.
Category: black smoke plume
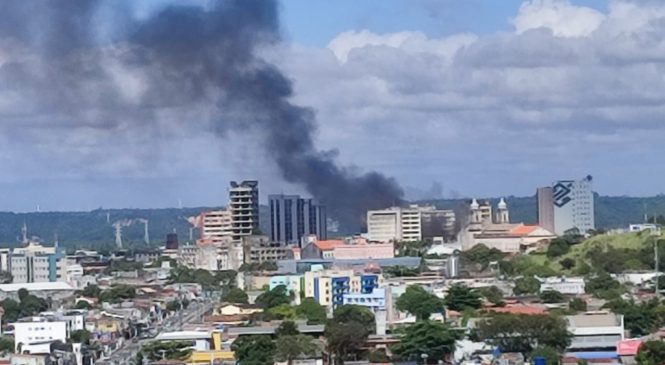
193,66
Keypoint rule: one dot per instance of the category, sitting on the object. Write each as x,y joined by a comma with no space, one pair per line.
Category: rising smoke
90,64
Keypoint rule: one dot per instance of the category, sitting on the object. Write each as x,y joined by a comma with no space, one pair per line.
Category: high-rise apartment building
545,208
292,218
571,203
216,226
413,223
244,208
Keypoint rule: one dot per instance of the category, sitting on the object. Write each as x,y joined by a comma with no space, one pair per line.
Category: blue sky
316,22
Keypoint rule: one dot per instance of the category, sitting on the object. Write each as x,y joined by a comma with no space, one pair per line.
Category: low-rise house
595,331
564,285
34,335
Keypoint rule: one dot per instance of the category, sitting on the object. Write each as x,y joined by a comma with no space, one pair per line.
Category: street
126,354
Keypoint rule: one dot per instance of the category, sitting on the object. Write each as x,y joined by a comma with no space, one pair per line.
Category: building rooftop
183,335
601,319
327,245
57,285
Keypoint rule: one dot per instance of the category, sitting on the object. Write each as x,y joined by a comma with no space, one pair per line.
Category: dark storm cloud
183,67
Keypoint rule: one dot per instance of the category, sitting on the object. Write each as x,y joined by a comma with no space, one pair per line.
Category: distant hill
91,229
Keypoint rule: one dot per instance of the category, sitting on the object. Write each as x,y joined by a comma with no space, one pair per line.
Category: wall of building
367,251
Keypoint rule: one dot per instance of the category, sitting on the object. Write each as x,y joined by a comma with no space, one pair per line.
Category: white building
384,225
571,286
595,330
573,205
34,263
34,334
413,223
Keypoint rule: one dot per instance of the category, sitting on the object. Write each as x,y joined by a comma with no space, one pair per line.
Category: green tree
80,336
91,291
482,255
117,294
291,347
281,312
274,297
22,294
235,295
12,310
425,337
310,309
526,285
551,355
348,330
6,344
287,328
420,303
254,350
493,295
354,313
651,353
558,247
639,318
578,304
82,304
567,263
551,296
461,297
524,333
172,350
603,286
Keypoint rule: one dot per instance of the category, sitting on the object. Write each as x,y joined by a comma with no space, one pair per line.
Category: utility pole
656,261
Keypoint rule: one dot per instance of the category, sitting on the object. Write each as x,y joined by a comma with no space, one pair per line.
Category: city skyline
447,97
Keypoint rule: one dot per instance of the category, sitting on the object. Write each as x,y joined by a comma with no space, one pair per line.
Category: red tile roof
519,309
524,230
328,245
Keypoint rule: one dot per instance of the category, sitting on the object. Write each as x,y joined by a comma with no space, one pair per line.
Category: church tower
502,215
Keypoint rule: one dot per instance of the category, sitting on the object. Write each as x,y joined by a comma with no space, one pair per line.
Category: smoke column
184,66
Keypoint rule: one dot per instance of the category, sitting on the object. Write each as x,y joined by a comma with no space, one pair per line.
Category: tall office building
244,208
292,217
571,204
545,208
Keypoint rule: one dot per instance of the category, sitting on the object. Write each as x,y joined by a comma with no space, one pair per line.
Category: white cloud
559,16
497,113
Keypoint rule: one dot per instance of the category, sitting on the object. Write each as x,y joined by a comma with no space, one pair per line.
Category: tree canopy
274,297
651,353
551,296
420,303
461,297
526,285
235,295
524,333
27,306
435,339
310,309
493,295
348,330
254,350
291,347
